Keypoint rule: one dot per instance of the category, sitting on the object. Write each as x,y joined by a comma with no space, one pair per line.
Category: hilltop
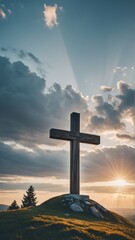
56,219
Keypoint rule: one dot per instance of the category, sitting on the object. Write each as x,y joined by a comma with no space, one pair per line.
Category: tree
30,198
13,205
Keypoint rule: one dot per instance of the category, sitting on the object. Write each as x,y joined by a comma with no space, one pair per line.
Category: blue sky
91,38
57,57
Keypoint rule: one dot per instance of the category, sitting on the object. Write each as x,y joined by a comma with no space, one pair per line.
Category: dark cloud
38,186
21,101
98,99
110,114
96,166
126,96
125,137
34,58
109,164
127,99
3,49
22,54
56,188
27,112
107,117
40,163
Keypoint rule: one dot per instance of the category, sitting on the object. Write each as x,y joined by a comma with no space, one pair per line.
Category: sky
59,57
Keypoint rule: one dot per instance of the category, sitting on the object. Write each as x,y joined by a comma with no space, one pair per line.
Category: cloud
3,49
9,11
38,186
50,15
9,187
34,58
96,166
127,99
109,164
98,99
2,14
21,100
109,189
22,54
106,88
107,117
125,137
39,163
126,96
27,110
110,114
4,11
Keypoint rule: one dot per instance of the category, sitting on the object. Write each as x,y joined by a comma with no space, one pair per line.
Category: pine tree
13,205
30,198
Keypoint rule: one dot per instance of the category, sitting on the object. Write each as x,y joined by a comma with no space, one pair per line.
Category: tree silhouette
13,205
30,198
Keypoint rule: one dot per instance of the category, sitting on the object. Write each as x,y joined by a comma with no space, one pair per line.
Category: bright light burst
120,182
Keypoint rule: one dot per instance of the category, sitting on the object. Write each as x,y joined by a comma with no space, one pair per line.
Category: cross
75,137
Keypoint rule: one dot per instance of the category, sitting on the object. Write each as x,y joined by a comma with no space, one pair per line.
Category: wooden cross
75,137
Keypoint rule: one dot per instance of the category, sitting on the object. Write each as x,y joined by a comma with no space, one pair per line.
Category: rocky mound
81,203
80,206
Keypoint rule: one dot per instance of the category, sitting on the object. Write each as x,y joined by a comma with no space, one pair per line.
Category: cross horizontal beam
70,136
75,137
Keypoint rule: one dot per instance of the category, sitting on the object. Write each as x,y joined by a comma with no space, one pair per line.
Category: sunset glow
120,182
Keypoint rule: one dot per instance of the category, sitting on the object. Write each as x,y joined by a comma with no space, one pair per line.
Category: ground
55,220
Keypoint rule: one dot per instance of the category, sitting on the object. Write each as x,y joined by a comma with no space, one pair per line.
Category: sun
120,182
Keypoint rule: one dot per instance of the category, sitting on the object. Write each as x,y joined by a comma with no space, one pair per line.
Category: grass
49,222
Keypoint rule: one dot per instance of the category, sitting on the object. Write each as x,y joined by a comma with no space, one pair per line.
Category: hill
55,219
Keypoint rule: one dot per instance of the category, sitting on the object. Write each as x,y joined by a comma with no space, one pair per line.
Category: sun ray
120,182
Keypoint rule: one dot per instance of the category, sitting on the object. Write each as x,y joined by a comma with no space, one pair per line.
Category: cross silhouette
75,137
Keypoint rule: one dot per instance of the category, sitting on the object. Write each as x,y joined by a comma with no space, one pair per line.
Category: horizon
59,57
121,210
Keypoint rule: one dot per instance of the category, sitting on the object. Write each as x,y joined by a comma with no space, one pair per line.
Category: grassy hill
51,221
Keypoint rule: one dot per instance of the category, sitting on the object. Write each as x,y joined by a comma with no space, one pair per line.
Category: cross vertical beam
75,155
75,137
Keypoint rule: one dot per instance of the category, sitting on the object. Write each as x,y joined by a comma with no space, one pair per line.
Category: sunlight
120,182
58,66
